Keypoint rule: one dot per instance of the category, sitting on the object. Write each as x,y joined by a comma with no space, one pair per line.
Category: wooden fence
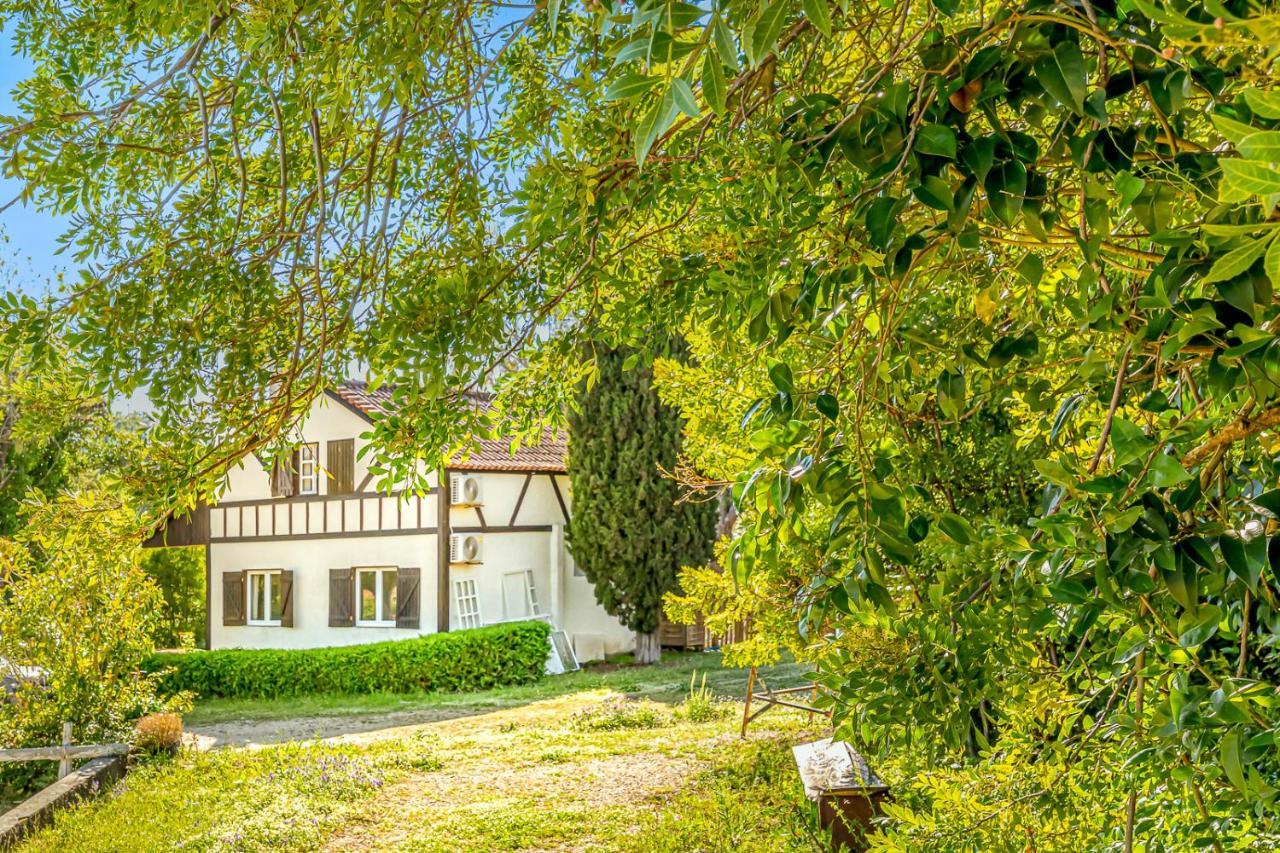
64,753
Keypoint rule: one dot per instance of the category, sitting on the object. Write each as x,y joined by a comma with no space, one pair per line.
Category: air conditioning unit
464,490
465,548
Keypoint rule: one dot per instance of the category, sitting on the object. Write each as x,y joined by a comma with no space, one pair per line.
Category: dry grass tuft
158,733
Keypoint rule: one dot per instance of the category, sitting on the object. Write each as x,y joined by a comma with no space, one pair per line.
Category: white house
310,555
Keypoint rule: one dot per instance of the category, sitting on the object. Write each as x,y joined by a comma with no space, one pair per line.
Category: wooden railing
65,753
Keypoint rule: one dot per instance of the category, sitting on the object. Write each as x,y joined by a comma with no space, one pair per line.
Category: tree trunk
647,648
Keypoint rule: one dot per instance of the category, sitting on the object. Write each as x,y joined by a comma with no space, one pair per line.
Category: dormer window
308,469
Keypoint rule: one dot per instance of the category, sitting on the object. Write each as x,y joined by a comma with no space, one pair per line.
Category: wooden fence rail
65,753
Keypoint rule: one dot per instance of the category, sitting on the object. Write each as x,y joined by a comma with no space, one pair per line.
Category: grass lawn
607,759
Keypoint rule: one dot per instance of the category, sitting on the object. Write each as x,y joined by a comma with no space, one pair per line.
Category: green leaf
767,29
1128,442
782,378
951,391
898,550
726,47
881,217
1233,131
1054,471
1069,591
682,95
1265,104
1129,187
1249,176
978,156
553,15
1245,559
1229,752
1063,75
1006,185
828,406
654,124
1272,262
1133,642
1167,472
956,528
1237,261
1031,268
714,89
983,61
937,140
819,14
1264,145
629,86
935,192
1198,625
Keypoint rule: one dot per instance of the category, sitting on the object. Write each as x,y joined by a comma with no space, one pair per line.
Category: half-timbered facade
310,554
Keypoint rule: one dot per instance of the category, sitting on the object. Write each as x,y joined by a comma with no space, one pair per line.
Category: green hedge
513,653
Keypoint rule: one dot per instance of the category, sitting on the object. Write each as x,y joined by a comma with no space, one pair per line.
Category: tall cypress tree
629,534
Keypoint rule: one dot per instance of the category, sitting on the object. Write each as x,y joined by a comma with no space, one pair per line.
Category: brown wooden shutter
342,466
408,584
342,598
233,598
286,598
283,482
295,481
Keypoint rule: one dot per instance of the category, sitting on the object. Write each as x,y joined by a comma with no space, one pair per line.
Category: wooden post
64,763
442,552
746,709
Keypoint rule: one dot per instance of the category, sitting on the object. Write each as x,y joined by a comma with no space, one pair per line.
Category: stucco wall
311,561
328,420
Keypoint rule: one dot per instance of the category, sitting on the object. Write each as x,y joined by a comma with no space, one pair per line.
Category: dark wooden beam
208,595
519,501
442,552
408,531
564,510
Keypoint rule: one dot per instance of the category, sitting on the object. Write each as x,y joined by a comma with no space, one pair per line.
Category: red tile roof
487,454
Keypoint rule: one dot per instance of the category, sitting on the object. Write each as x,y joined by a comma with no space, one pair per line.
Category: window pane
277,604
368,596
388,596
255,598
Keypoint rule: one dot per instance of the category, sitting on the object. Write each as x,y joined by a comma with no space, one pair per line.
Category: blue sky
30,236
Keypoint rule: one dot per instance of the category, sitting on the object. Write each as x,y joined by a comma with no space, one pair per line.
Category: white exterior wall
325,536
311,560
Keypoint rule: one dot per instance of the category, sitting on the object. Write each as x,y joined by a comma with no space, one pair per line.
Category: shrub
616,714
75,623
497,655
158,733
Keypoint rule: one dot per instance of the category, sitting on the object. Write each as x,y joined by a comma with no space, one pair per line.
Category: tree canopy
988,288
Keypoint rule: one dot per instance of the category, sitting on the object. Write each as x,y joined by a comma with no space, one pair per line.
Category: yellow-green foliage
77,608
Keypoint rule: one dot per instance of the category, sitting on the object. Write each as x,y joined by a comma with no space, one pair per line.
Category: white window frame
380,574
530,593
309,469
467,600
271,577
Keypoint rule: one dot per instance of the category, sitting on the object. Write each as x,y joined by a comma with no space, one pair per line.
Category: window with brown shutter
408,586
342,466
342,598
233,598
